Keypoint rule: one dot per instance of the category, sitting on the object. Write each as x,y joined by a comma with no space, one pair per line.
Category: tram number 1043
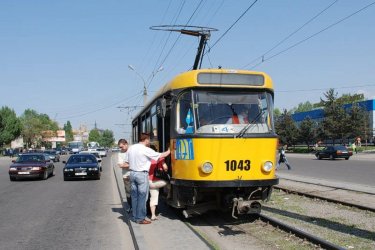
233,165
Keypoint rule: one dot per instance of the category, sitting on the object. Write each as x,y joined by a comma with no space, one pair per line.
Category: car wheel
331,157
347,158
12,178
45,175
66,178
53,172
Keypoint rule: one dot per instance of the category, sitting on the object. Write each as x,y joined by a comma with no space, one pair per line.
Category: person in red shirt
156,184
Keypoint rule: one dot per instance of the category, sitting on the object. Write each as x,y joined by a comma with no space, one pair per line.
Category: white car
97,156
102,152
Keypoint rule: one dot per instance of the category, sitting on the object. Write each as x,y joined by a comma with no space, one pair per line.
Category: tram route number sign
233,165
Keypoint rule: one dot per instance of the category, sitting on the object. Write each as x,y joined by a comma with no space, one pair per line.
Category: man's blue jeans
139,193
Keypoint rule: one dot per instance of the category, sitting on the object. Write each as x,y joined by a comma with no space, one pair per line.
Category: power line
174,44
320,89
291,34
99,109
230,27
313,35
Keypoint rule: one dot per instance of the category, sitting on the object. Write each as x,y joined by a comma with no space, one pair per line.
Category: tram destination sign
231,79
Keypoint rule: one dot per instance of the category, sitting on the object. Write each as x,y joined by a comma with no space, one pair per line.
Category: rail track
321,197
299,233
240,224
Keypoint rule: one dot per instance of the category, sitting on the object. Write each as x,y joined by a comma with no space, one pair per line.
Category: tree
358,122
107,138
307,131
68,131
10,125
303,107
94,135
286,128
335,121
276,113
34,126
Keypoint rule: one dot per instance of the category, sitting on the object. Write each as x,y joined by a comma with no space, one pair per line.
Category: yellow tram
219,126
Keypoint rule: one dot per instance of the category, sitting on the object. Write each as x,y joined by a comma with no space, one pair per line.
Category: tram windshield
217,112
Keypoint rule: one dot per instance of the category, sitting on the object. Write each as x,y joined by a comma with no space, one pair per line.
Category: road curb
136,234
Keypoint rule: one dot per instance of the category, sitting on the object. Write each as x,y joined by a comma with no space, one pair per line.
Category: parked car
31,165
97,156
81,166
102,152
333,152
55,157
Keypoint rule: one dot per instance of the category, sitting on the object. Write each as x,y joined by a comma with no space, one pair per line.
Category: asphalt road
54,214
359,169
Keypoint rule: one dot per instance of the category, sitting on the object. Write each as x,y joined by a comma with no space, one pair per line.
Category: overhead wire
292,33
313,35
320,89
178,37
102,108
230,27
155,34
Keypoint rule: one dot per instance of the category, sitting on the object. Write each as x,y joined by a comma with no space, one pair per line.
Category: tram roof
205,78
213,78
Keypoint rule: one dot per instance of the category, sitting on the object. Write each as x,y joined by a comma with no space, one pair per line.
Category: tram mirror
161,107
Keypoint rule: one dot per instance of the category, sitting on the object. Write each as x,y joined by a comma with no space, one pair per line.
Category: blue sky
69,59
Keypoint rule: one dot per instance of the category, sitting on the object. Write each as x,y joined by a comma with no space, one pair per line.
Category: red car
31,165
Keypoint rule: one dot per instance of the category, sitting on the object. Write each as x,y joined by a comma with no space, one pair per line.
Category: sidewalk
168,232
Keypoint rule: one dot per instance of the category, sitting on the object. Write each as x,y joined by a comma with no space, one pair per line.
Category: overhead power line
313,35
230,27
99,109
320,89
291,34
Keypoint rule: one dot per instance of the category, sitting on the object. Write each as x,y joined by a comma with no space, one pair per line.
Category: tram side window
154,128
184,116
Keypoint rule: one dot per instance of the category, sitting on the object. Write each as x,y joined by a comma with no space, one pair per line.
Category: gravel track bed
345,226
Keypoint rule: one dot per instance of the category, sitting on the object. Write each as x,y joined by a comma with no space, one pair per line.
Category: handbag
161,174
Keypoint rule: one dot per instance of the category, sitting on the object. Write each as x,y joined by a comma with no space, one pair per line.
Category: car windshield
30,158
224,112
74,159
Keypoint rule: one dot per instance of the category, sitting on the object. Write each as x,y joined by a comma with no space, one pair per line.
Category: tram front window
230,113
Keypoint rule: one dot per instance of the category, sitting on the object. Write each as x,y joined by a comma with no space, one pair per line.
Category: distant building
317,115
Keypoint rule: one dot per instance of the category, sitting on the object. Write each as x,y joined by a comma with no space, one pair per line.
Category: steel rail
337,201
299,233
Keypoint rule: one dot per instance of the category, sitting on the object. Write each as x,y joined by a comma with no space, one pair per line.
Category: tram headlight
207,167
267,166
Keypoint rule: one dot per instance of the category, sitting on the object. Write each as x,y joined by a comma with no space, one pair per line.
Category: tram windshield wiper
246,128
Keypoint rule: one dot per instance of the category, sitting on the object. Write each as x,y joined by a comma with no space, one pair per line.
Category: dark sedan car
31,165
333,152
81,166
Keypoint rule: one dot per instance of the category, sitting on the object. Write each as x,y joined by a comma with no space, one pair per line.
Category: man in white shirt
140,156
123,163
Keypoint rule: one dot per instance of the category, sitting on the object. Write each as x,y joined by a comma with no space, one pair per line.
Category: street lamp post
144,81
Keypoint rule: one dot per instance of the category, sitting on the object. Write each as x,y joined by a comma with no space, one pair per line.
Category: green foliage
94,135
68,131
33,126
107,138
303,107
10,125
286,128
276,113
307,131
